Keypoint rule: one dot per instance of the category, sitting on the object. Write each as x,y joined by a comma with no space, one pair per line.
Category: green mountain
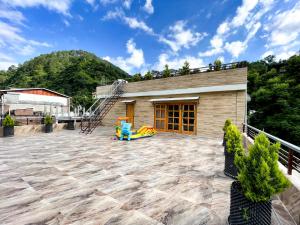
75,73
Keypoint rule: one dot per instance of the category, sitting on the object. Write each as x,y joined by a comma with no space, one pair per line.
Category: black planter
246,212
71,125
230,168
48,128
224,142
8,131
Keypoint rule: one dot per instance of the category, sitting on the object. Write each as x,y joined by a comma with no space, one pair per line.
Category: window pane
191,121
191,107
170,126
176,127
157,123
176,107
162,114
171,107
170,114
185,114
185,120
176,120
185,128
186,107
176,114
157,114
191,114
191,128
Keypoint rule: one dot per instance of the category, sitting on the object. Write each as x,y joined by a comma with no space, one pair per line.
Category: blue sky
140,35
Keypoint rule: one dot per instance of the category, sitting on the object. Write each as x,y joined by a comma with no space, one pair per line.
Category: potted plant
48,121
259,179
71,125
234,147
8,126
226,125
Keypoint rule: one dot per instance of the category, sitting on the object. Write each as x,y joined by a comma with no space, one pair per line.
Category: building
191,104
33,101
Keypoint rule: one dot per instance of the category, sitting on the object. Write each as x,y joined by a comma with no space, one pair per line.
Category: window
176,117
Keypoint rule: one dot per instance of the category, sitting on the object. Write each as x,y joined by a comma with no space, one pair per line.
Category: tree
74,73
166,71
148,76
275,97
137,77
185,69
259,173
217,64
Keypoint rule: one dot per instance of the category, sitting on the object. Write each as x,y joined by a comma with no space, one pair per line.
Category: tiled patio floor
71,178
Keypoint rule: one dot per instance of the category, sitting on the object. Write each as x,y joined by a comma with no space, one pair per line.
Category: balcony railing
289,154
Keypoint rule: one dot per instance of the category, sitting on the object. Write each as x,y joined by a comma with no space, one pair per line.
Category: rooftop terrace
70,178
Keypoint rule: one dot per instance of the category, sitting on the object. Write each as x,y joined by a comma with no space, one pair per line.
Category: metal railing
93,116
289,154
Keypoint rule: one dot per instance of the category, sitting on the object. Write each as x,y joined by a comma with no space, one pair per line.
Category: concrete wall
212,111
33,129
217,78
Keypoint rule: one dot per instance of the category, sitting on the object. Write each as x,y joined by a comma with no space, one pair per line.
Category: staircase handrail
114,87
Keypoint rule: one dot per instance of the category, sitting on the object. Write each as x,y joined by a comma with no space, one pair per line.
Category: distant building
33,101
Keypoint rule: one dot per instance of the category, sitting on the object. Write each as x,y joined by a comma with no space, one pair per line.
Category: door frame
180,116
133,106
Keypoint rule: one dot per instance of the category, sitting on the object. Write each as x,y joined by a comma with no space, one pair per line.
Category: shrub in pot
71,125
234,147
48,124
259,179
8,126
226,125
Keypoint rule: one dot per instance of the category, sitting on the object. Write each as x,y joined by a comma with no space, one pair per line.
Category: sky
142,35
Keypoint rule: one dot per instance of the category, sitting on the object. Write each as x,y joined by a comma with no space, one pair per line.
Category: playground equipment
123,132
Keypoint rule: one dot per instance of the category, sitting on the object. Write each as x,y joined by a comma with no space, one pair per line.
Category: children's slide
144,131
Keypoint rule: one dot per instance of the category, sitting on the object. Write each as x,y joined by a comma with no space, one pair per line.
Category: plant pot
230,168
71,125
8,131
245,212
48,128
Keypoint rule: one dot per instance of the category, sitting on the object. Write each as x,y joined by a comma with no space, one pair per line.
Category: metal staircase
95,114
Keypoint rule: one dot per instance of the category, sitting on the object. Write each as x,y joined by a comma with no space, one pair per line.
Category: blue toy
125,130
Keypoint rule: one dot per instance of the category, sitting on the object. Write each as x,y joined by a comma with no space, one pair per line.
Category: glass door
173,118
188,118
160,117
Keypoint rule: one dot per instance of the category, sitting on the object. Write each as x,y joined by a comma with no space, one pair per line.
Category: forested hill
274,88
75,73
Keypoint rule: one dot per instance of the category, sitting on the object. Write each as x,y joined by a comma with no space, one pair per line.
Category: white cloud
134,61
91,2
127,3
148,7
6,61
181,37
66,22
132,22
177,62
248,17
60,6
223,28
12,15
6,65
243,12
235,48
11,39
284,27
267,53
